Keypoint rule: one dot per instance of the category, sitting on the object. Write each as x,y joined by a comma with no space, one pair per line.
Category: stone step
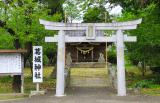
88,77
88,82
88,65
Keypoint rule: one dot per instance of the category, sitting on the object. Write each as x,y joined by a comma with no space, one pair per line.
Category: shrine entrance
70,34
85,52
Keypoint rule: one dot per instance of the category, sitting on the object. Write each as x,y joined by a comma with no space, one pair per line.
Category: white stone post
60,64
120,64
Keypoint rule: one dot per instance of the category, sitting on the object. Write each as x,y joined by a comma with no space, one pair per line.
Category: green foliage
147,47
112,58
24,20
156,79
6,79
71,10
148,83
45,60
55,6
6,40
96,14
85,4
143,84
22,17
133,5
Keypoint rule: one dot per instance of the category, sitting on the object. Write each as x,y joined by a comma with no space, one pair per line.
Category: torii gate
90,28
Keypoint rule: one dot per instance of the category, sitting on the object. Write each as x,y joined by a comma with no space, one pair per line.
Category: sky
116,11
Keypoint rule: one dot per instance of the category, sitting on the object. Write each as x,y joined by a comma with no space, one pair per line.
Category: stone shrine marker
90,36
37,69
37,64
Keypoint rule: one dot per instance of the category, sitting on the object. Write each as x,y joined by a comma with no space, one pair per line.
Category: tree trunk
143,69
16,85
28,55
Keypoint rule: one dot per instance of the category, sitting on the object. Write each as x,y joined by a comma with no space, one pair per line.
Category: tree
71,10
92,3
96,14
21,19
20,27
54,5
133,5
147,48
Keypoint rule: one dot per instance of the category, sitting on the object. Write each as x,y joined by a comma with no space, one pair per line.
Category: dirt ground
87,95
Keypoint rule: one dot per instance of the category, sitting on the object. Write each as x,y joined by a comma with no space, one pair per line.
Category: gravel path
87,95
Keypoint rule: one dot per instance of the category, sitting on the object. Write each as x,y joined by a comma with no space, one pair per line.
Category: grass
133,76
48,81
12,96
151,91
6,84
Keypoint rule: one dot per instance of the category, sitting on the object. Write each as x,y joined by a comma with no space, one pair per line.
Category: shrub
156,79
143,84
45,60
112,58
155,70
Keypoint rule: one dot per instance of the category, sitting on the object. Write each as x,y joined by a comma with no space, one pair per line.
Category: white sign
10,63
37,64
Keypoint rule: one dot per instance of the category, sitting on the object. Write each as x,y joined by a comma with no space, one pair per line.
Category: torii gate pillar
60,64
120,64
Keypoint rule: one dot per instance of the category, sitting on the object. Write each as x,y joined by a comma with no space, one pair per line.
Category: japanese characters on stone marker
37,64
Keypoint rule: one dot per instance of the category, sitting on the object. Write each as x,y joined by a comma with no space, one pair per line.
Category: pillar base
60,95
121,95
33,93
